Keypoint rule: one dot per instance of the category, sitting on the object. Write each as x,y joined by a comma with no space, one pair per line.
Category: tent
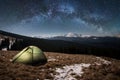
30,55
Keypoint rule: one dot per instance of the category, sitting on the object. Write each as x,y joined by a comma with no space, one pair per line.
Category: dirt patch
16,71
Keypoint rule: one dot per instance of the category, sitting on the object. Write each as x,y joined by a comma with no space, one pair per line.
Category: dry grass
16,71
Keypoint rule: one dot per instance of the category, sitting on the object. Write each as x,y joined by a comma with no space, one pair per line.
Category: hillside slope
104,48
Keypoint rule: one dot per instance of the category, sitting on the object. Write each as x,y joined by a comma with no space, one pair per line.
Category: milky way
37,17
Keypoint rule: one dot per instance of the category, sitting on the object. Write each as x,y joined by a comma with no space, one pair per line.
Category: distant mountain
69,43
89,40
75,35
72,35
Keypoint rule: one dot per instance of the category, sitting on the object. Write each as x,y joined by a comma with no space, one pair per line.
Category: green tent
30,55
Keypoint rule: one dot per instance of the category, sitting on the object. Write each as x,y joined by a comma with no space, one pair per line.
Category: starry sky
56,17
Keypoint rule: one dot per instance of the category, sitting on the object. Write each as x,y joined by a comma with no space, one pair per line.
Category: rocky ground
61,66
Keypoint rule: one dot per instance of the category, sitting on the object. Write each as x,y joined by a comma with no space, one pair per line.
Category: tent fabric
30,55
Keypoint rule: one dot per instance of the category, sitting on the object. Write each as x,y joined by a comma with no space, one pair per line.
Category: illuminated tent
30,55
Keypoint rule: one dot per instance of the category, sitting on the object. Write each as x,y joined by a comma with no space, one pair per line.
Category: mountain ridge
72,45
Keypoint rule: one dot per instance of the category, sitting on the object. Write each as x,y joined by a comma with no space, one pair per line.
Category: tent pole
32,56
19,55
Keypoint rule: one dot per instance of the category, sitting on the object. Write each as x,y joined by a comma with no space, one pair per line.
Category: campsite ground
61,66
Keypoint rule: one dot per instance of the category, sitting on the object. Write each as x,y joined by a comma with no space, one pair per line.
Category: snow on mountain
72,35
75,35
86,36
68,35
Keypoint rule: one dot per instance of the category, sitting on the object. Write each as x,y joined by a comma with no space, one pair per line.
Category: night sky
56,17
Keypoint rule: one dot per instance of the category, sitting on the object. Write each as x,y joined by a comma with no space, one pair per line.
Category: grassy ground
16,71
